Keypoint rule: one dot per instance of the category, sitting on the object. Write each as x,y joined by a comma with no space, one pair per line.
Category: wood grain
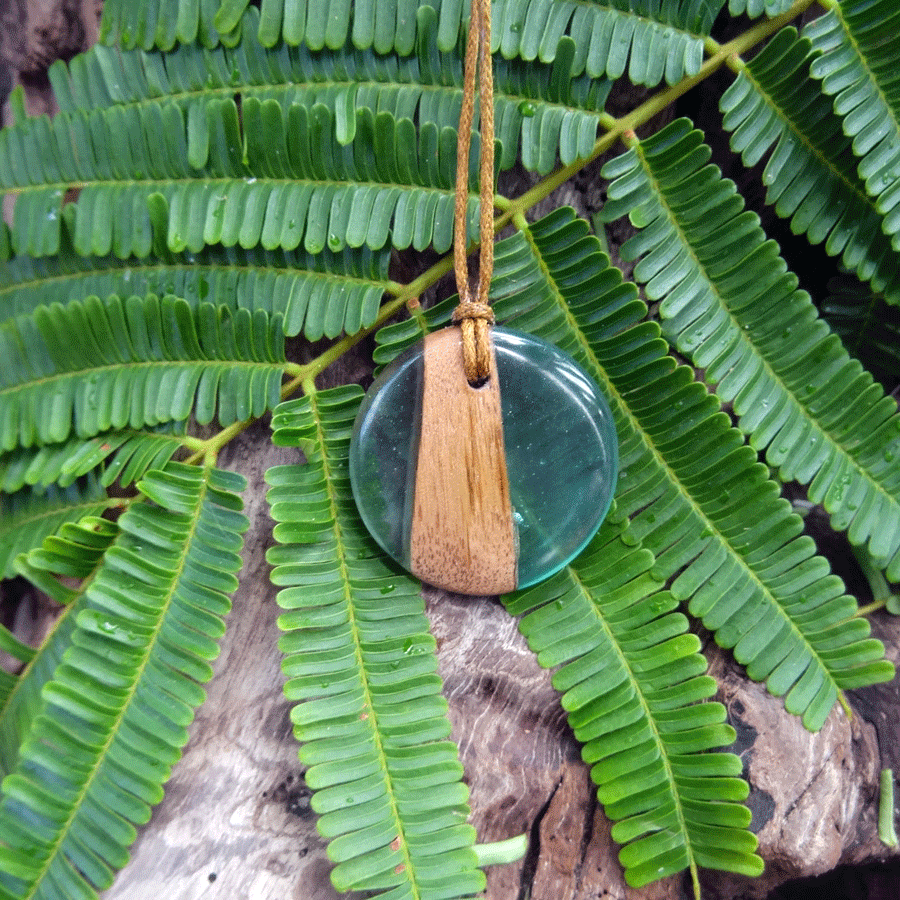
462,535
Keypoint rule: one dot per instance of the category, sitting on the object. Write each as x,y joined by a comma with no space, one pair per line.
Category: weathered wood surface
35,33
462,535
237,809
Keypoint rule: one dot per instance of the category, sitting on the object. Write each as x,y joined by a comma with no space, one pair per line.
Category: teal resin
560,442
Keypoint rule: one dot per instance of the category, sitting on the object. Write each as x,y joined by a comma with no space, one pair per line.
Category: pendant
482,490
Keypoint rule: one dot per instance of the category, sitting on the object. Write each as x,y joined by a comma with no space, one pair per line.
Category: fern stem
208,450
302,376
881,590
695,880
189,442
719,55
403,294
512,210
869,608
886,831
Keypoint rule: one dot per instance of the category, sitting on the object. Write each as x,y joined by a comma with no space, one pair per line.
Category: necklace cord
474,314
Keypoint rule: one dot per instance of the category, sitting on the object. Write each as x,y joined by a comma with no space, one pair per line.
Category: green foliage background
223,177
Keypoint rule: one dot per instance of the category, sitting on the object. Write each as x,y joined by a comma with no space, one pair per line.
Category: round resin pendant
482,490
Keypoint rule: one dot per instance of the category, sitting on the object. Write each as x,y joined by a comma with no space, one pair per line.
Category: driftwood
236,821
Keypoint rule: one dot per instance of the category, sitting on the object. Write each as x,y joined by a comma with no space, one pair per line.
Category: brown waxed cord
474,314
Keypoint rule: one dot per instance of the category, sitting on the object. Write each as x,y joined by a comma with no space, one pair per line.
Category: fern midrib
50,380
177,570
102,503
247,90
672,479
648,717
853,187
873,80
132,263
344,569
224,180
38,658
800,411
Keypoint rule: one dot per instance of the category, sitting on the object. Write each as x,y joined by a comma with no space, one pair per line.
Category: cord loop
474,316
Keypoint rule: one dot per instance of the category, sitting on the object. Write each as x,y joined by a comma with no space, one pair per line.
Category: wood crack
530,864
587,836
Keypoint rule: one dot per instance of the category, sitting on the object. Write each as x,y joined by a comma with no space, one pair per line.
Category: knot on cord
472,309
474,320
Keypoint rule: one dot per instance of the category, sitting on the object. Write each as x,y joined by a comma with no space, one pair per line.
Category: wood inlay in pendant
462,533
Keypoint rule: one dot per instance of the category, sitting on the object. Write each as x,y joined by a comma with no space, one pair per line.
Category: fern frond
108,735
650,40
155,24
75,552
361,667
811,175
546,108
867,326
323,152
29,515
364,23
688,480
630,675
12,648
121,456
733,307
321,295
858,68
763,593
755,8
155,167
653,39
98,365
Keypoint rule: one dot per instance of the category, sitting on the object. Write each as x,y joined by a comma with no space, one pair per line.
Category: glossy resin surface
560,444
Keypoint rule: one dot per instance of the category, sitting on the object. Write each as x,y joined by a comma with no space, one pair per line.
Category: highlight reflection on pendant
430,480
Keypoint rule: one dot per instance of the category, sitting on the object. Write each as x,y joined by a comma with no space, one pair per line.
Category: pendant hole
480,383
